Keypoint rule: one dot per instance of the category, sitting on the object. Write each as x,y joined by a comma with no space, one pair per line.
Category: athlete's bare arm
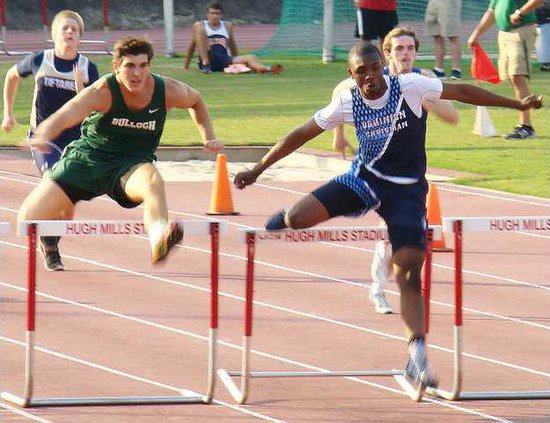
231,42
182,96
290,142
96,97
443,109
471,94
11,84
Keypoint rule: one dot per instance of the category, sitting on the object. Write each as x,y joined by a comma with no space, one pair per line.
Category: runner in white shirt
387,175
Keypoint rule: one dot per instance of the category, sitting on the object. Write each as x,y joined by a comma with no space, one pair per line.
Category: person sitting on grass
215,43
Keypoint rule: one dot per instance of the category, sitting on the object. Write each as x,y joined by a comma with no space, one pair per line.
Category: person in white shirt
399,47
387,175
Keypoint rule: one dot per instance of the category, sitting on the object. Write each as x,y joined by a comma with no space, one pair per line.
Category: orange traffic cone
220,199
434,218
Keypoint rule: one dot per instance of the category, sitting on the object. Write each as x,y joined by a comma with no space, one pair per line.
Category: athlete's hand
243,179
8,123
213,146
78,79
532,101
38,143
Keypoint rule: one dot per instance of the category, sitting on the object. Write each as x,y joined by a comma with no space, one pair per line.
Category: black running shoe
173,234
52,259
456,74
439,74
521,132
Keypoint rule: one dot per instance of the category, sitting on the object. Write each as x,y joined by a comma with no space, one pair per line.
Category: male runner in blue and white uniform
387,175
59,73
399,47
214,40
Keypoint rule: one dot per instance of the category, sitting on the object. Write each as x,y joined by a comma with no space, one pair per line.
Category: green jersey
122,132
504,8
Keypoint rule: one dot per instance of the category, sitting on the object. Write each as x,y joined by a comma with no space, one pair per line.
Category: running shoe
417,369
456,74
172,235
381,305
521,132
438,73
276,222
52,258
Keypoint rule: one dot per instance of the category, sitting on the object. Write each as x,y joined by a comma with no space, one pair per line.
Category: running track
113,325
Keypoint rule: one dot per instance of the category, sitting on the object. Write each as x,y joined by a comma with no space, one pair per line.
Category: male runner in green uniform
124,114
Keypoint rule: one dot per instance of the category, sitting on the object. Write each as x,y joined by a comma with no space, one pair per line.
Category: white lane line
227,344
280,308
136,378
23,413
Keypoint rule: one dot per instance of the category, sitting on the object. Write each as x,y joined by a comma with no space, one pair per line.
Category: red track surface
112,308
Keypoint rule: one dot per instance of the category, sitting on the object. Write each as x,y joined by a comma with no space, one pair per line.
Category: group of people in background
94,135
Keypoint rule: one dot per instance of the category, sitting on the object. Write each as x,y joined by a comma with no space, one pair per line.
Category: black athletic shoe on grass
52,259
521,132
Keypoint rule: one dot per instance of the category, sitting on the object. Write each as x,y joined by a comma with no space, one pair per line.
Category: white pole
328,28
169,27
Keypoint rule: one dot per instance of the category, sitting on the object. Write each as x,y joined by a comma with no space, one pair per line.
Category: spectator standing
515,20
543,40
443,21
375,18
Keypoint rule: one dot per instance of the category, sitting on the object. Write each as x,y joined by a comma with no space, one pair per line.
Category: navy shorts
219,59
374,24
403,207
44,161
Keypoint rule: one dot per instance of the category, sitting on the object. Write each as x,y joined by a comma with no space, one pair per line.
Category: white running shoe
381,305
417,368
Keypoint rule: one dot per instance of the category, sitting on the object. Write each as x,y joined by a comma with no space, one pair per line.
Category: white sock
156,229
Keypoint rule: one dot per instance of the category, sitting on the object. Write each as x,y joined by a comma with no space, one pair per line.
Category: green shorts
84,174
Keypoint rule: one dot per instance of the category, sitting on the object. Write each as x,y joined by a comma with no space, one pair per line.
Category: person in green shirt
123,116
515,20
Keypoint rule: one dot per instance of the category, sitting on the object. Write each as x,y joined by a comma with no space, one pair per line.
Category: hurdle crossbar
328,234
33,229
458,226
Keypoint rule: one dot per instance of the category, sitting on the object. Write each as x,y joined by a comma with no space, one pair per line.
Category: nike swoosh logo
153,110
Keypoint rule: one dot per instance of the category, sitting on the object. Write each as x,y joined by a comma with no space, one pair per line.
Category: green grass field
256,109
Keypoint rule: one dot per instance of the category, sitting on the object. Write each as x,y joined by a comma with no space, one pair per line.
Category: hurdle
322,234
64,228
458,226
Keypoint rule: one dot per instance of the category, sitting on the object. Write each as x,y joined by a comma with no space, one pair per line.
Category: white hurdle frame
335,234
33,229
458,226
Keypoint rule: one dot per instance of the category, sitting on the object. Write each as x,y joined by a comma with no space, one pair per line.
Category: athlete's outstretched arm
182,96
291,142
467,93
96,97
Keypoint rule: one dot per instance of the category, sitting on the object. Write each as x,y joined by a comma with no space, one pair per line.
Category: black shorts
401,206
374,24
219,59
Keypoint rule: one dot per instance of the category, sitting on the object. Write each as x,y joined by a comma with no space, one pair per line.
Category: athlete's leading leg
145,185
